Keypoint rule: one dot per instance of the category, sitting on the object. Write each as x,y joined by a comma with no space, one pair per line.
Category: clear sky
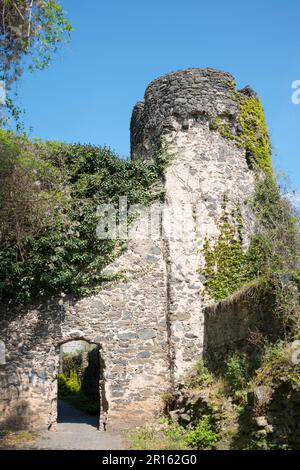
119,46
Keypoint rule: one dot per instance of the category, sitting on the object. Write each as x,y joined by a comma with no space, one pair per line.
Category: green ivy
273,248
59,186
251,133
224,269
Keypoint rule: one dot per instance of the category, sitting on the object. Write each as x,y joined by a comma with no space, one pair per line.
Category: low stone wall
233,325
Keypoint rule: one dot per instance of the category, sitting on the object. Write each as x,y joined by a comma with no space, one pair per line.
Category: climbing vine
273,248
49,194
224,269
251,133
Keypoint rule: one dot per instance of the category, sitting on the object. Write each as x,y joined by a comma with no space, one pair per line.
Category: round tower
217,142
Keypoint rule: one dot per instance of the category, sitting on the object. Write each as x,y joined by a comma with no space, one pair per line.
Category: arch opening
79,385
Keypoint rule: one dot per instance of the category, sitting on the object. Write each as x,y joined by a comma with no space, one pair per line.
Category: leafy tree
30,32
32,28
274,246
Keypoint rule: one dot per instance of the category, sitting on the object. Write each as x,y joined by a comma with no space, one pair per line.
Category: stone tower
186,111
149,326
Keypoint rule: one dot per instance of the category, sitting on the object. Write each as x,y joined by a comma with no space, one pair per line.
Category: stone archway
90,350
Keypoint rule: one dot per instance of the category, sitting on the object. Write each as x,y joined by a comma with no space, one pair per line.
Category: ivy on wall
224,268
274,247
49,192
250,132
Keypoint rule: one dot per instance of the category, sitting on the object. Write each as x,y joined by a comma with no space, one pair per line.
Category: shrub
276,245
237,372
200,375
204,436
68,386
63,389
69,389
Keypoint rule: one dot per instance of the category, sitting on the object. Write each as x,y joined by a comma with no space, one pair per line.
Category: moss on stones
250,132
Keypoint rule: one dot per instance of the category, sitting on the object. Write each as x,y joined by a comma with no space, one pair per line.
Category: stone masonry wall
150,329
178,110
127,320
232,325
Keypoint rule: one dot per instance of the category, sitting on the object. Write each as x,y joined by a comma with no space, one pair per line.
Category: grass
149,438
170,436
15,439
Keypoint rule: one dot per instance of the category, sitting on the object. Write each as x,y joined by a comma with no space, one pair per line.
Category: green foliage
149,438
171,436
70,390
15,440
279,295
274,247
49,194
203,436
29,29
273,352
72,361
167,399
224,268
296,277
68,385
252,133
237,374
84,403
199,376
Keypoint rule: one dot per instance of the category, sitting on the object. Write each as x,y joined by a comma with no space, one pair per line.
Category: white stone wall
204,168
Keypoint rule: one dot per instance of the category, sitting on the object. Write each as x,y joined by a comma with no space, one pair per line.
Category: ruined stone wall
150,328
178,110
239,323
127,320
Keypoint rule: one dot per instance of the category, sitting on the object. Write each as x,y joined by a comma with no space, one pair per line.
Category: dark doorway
78,384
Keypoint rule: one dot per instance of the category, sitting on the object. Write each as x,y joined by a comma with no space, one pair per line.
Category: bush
237,372
274,245
69,389
204,436
68,386
72,362
84,403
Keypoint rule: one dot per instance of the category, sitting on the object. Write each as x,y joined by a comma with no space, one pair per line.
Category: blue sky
119,46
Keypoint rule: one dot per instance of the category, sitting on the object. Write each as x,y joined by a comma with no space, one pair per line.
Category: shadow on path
77,431
68,415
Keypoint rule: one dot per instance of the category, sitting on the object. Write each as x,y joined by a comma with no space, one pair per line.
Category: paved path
77,430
